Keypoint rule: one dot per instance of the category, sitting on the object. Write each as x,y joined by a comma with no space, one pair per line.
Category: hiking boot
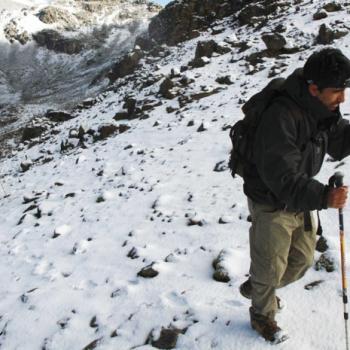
267,328
246,291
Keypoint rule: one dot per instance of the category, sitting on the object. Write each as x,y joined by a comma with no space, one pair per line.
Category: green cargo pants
280,250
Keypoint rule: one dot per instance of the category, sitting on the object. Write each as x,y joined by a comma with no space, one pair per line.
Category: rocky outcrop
53,40
181,20
51,14
126,65
12,33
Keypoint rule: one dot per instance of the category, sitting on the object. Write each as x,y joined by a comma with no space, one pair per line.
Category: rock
133,254
221,166
332,7
199,62
94,344
206,49
255,13
182,20
148,272
326,35
274,41
32,132
145,42
202,128
130,104
121,116
58,116
226,220
325,263
165,87
106,131
220,273
167,339
51,14
312,285
126,65
224,80
25,166
55,41
321,245
320,15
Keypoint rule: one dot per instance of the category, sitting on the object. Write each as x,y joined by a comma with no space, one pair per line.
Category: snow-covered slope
89,214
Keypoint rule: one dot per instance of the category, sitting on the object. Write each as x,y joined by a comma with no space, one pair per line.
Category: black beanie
328,68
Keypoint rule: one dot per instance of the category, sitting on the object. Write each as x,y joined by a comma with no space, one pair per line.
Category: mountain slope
95,200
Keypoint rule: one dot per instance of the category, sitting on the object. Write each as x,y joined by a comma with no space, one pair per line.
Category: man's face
331,97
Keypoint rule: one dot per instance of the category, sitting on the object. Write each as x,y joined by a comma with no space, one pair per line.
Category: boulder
53,40
320,15
51,14
327,35
58,116
332,7
126,65
167,339
32,132
148,272
165,88
274,42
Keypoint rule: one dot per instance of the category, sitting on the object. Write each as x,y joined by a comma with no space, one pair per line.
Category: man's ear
313,89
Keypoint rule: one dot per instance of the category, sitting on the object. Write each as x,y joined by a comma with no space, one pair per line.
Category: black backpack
242,133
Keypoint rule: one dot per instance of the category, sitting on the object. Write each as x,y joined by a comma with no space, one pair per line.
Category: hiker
297,129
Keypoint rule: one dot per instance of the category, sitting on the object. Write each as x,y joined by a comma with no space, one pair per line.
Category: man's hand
337,197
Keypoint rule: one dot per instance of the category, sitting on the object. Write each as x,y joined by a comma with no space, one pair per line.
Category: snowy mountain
113,212
56,53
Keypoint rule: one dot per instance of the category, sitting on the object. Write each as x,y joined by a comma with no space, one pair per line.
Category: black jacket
295,133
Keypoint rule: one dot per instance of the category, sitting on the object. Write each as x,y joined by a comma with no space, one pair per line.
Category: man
298,128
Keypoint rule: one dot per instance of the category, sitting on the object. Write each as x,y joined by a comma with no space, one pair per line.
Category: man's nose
341,96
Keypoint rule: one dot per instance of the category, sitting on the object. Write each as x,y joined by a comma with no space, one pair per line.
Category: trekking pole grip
336,180
339,176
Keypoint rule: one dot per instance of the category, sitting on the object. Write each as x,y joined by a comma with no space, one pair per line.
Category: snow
67,279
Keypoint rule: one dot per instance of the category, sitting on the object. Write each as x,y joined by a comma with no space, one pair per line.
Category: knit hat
328,68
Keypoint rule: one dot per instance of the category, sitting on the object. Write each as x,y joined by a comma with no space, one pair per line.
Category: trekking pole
337,180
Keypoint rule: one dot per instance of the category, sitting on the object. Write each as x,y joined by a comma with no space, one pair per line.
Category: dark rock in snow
133,254
220,273
225,80
165,88
32,132
126,65
202,128
106,131
332,7
321,245
221,166
93,345
320,15
148,272
314,284
167,339
58,116
326,35
274,41
325,262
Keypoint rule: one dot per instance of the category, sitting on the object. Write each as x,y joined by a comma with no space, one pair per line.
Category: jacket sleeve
339,140
278,159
